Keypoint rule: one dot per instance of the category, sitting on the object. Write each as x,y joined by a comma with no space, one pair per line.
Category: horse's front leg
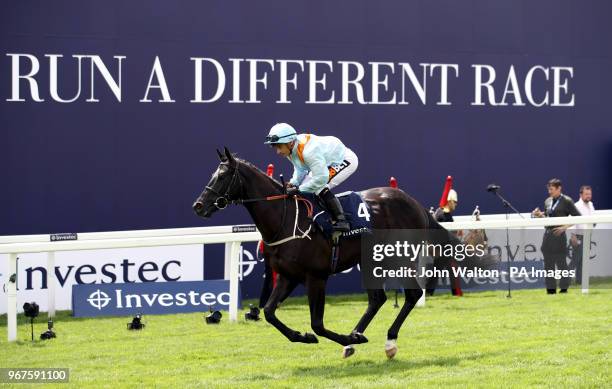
316,301
282,289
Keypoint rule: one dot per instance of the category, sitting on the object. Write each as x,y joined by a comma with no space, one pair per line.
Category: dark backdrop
113,166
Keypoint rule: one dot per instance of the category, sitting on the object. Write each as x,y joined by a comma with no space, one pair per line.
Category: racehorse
305,258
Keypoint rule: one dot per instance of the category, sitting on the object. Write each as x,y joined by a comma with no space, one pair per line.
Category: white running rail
18,244
14,245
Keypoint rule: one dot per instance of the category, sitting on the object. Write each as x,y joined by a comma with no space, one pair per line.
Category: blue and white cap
281,133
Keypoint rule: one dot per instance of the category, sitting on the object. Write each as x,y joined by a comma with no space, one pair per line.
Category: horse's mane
258,171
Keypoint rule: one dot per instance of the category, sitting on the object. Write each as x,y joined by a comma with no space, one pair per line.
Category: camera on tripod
136,323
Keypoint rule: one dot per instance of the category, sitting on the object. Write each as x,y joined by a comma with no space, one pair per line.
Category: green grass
479,340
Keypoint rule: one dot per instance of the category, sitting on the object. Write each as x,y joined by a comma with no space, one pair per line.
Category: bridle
223,200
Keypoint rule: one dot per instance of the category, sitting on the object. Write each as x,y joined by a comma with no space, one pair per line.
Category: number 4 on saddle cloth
356,211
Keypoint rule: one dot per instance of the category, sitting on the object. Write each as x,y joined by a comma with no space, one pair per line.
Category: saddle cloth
355,209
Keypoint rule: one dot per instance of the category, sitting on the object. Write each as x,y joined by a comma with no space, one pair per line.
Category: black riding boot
333,206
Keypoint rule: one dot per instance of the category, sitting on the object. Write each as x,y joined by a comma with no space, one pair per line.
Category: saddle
356,210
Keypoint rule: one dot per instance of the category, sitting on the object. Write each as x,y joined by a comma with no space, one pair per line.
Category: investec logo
100,299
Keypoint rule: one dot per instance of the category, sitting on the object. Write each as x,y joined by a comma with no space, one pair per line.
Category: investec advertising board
109,266
134,265
150,298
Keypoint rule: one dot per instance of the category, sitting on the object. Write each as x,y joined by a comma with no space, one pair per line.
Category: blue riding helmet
281,133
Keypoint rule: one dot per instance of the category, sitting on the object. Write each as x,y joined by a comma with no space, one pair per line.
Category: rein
267,198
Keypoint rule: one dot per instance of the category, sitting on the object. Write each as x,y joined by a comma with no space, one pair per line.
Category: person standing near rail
320,163
554,244
444,215
586,208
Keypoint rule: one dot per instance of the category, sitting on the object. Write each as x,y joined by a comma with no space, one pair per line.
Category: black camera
49,334
136,323
214,317
31,309
253,313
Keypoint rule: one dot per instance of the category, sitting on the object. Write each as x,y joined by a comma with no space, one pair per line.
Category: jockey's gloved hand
293,190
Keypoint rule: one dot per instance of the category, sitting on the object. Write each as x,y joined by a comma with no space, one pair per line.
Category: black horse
308,260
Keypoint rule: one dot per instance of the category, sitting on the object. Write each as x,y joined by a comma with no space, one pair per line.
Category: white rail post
233,280
51,283
11,308
227,261
586,254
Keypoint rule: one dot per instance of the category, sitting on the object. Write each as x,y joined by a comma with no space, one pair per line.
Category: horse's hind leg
283,288
376,299
413,294
316,301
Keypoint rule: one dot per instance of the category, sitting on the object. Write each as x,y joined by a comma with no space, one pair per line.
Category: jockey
320,163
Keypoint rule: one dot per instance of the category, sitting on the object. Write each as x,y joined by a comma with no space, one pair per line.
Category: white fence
14,245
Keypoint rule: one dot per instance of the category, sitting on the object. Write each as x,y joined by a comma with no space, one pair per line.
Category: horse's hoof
358,338
347,351
391,348
310,338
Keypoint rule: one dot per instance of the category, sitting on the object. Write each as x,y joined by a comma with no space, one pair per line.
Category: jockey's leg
350,166
335,208
329,199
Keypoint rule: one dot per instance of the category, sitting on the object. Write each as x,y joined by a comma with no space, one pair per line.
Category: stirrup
336,238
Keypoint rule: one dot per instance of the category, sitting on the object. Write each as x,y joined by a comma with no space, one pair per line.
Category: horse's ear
229,156
222,158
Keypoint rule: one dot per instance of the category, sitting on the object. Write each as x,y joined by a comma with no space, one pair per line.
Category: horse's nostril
198,205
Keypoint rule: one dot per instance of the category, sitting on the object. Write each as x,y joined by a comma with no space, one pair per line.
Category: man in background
444,215
586,208
554,244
